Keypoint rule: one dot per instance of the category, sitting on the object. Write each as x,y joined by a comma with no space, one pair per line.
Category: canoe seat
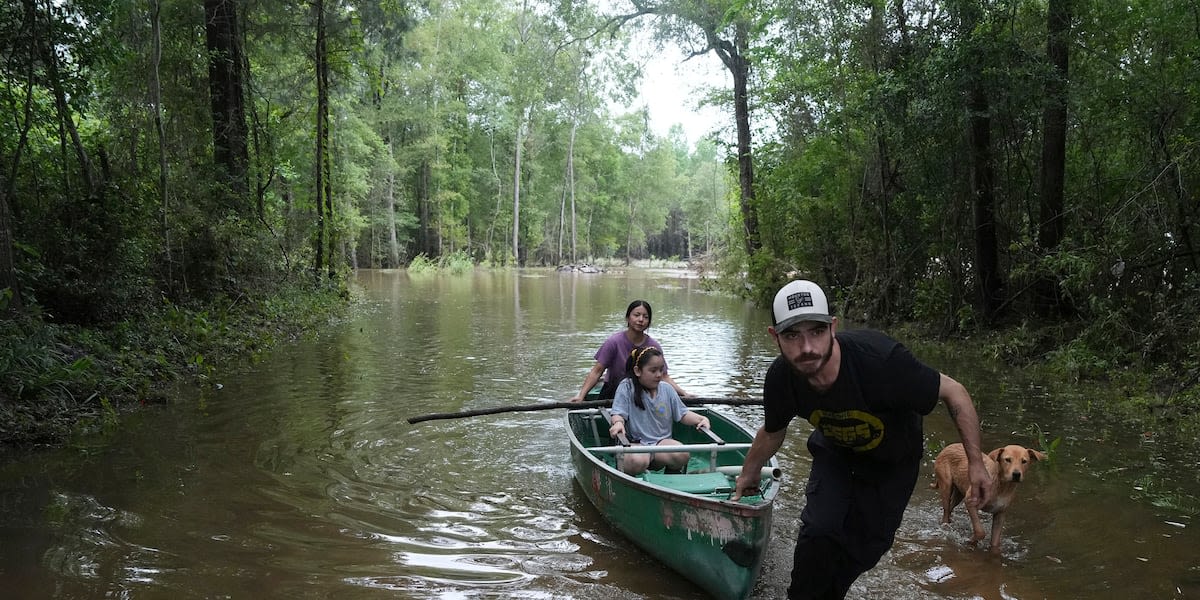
692,483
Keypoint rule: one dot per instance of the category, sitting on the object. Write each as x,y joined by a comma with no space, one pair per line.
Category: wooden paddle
557,405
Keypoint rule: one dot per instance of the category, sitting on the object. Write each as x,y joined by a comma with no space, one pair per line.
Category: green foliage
456,263
1081,361
935,301
42,376
422,264
55,380
869,184
1017,346
1154,489
1049,447
36,360
865,173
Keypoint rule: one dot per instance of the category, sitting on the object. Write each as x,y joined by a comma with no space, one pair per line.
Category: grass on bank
59,380
1100,384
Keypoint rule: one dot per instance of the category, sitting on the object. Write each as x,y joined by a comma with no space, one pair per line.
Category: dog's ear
995,454
1035,455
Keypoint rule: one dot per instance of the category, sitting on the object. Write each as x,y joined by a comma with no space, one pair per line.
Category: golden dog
1006,465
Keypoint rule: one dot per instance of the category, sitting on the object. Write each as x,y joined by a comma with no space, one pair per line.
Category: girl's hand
616,429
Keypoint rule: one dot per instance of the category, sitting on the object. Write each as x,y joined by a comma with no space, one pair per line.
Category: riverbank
1156,401
60,380
56,381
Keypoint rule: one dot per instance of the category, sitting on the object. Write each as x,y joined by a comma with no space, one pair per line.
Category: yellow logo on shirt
854,429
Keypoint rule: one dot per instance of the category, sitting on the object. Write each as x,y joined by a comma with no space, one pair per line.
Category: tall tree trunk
733,55
880,195
426,238
1054,125
226,90
562,222
568,188
987,264
10,291
49,52
516,230
629,230
389,192
499,191
321,140
331,229
580,84
8,177
571,185
1052,226
983,199
393,242
161,132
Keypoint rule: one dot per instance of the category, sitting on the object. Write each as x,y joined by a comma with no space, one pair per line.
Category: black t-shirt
874,408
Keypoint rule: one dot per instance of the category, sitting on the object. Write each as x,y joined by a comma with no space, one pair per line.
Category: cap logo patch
799,300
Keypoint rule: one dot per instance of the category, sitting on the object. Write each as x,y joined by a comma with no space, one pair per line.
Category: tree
1052,226
226,90
725,27
983,199
161,133
322,186
10,290
20,107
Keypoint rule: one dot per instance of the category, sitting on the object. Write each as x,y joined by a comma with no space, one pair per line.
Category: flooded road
300,477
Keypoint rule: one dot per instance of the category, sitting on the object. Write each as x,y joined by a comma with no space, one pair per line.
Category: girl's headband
638,352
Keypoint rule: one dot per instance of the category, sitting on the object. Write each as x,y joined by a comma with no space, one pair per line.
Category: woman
645,409
615,351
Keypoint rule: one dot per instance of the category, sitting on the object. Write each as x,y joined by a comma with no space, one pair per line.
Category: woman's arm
678,390
589,382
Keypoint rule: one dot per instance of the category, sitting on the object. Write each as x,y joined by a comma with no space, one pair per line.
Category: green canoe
684,520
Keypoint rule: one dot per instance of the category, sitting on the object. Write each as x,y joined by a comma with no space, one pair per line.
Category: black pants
822,569
850,518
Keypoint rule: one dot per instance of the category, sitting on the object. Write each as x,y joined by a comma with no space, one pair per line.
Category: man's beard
808,370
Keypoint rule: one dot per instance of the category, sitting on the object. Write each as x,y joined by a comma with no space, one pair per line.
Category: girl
645,407
612,356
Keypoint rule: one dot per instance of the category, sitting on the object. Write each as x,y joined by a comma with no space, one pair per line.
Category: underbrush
56,380
456,263
1119,382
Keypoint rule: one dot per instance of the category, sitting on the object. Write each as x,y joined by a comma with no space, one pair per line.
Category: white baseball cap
799,300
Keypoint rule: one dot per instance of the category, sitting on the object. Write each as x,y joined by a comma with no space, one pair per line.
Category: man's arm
962,411
764,447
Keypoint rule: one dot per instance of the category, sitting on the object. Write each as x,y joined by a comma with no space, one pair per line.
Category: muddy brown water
299,477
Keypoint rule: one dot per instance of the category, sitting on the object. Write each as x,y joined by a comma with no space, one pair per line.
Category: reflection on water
301,478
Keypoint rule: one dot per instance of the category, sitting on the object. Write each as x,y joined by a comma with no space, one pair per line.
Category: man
865,395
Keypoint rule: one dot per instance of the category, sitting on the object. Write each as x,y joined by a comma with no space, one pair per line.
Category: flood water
300,477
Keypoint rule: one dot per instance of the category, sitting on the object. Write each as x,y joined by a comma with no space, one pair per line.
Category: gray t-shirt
652,424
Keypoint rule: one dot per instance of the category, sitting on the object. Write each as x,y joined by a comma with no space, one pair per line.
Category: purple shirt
615,351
